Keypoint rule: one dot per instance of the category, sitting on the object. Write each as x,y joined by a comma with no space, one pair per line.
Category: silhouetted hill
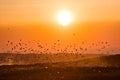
102,67
112,60
98,61
61,59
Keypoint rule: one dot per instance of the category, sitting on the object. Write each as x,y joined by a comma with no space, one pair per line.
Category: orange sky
94,20
18,12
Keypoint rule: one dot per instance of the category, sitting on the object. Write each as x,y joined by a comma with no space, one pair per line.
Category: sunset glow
69,21
64,17
59,39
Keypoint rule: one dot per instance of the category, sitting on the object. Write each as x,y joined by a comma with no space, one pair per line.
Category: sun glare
64,17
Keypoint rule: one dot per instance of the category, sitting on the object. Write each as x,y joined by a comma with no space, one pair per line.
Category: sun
64,17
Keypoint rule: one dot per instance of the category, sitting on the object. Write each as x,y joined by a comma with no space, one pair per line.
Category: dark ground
47,72
50,71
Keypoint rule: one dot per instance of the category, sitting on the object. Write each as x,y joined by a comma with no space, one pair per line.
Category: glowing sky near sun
38,11
94,20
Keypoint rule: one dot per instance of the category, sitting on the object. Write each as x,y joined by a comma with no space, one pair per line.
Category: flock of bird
56,47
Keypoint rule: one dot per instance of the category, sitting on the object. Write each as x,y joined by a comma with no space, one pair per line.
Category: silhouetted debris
35,46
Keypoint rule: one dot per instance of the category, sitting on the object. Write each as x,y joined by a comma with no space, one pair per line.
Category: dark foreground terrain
60,71
47,72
